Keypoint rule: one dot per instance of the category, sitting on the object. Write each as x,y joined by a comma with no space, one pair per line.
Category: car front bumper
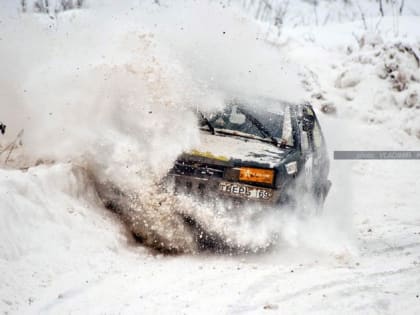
216,189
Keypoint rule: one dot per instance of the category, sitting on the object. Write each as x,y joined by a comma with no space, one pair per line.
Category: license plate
245,191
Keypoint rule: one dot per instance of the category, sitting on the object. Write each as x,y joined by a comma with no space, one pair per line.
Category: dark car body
256,151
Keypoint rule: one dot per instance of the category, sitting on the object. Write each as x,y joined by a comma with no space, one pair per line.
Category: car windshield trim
240,134
206,122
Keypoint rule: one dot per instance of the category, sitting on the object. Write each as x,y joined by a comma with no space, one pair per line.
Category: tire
151,221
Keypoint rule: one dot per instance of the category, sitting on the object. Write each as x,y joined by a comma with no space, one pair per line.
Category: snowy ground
67,257
62,252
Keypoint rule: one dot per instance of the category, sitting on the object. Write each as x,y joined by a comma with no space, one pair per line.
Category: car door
313,150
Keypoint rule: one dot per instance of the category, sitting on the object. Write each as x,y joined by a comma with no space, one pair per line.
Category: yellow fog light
257,175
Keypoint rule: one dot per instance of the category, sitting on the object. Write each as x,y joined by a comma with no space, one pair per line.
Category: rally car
260,150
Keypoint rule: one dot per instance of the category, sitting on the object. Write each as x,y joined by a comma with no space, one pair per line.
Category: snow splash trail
117,101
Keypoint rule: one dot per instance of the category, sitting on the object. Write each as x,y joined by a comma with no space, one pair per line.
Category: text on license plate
245,191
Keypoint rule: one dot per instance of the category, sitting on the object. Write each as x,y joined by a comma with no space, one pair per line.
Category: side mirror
308,122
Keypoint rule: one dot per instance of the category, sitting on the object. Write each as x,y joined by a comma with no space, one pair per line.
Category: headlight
256,175
291,168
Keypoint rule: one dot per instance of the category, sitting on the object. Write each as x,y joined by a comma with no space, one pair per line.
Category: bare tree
263,7
402,6
23,5
43,6
67,5
362,14
279,15
39,6
381,8
315,3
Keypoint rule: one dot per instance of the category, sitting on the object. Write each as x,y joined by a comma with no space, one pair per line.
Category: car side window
318,141
304,136
287,132
304,141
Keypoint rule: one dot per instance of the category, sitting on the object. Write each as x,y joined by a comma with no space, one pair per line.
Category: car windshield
249,121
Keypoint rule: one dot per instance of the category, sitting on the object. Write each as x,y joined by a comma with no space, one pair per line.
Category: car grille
198,169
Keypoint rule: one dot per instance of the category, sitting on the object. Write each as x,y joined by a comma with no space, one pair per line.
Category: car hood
233,148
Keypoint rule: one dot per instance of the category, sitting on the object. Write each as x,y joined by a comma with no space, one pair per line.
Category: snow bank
29,219
365,74
52,223
388,84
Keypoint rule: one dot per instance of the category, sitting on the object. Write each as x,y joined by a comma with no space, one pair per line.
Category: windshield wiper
207,122
259,126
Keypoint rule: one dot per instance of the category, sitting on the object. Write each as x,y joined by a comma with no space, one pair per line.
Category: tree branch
402,6
381,8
